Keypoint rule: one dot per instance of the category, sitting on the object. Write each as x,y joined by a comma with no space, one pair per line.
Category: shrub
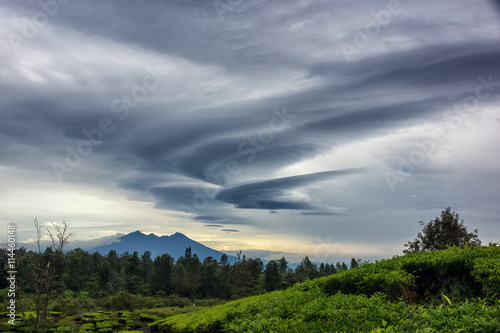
487,272
148,317
364,299
392,283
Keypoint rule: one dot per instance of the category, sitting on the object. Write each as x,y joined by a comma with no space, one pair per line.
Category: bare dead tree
45,266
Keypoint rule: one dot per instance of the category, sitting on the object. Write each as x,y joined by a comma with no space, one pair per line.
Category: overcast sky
327,128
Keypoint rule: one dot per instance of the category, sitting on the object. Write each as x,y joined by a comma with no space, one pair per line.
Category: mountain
175,245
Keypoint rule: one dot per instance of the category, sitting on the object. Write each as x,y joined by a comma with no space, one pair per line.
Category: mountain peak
175,245
133,235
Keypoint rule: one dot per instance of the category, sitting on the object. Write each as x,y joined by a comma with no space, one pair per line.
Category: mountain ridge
175,245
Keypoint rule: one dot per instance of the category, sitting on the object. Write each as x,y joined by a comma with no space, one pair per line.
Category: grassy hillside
453,290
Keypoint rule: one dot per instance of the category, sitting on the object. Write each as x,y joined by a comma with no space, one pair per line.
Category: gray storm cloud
174,104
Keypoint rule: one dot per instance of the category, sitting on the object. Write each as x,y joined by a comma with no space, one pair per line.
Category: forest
100,276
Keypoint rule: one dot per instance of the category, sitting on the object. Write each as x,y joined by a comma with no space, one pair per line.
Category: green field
453,290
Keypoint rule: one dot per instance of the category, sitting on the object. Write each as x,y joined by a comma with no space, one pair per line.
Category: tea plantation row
453,290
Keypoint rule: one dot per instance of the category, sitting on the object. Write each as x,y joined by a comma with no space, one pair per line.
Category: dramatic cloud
276,193
208,218
335,125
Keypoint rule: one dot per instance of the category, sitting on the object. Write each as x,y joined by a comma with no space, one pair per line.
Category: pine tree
272,277
163,267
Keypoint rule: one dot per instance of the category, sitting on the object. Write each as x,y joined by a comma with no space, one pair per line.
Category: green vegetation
56,288
442,232
446,282
83,281
100,321
450,290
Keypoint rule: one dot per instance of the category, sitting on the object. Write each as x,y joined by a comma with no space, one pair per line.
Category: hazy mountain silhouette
175,245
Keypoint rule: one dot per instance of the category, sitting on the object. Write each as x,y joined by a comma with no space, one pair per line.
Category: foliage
148,317
99,321
443,232
86,281
487,272
370,281
314,311
370,298
471,271
126,318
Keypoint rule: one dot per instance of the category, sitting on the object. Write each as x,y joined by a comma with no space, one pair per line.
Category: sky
320,128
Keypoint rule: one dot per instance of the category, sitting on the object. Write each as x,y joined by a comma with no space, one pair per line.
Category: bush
364,299
71,304
148,317
175,300
123,300
487,272
392,283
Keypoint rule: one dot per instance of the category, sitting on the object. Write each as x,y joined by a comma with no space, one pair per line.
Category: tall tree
116,279
193,275
223,274
306,270
104,276
444,231
330,269
132,270
75,275
147,269
187,274
283,266
179,277
338,266
163,267
208,281
244,277
272,277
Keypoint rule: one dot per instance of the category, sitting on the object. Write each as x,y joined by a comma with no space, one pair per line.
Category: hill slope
375,297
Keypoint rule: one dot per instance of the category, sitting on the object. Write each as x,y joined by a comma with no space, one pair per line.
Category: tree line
104,275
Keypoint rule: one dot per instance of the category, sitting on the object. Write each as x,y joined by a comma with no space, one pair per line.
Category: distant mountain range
175,245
